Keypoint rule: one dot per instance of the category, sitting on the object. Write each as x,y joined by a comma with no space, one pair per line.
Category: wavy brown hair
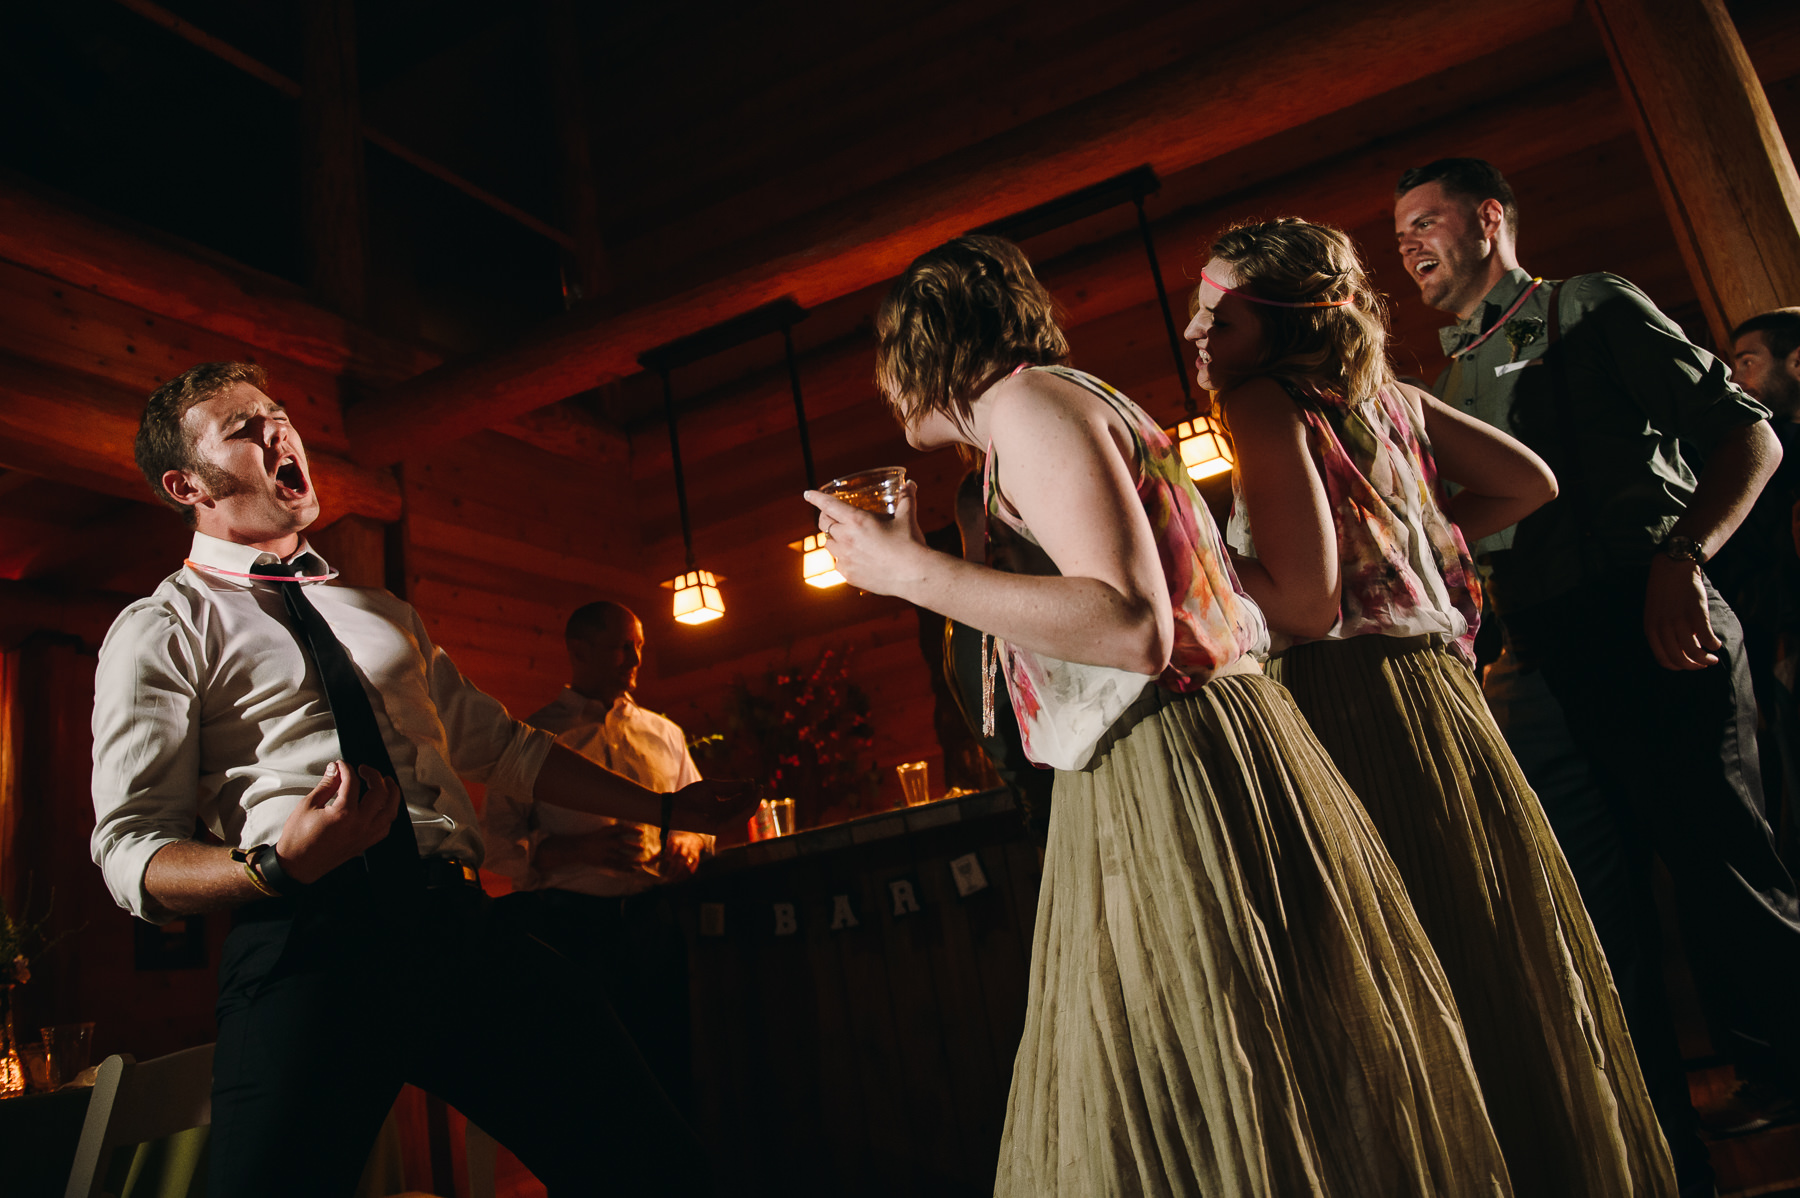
1296,262
163,443
958,321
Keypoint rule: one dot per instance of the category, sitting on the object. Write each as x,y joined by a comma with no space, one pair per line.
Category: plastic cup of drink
783,811
877,490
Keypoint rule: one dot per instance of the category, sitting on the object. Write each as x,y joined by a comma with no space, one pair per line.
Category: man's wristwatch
1683,549
263,866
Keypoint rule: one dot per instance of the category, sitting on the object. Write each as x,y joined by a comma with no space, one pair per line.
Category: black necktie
394,862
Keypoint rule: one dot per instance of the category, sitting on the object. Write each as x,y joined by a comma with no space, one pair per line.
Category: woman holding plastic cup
1229,990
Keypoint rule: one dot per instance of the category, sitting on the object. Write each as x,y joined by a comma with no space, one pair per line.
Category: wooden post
356,547
1720,163
585,269
334,192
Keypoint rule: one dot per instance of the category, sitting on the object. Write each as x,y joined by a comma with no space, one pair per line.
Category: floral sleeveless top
1404,567
1064,708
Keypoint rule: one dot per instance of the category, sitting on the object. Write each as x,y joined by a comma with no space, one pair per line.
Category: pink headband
1257,299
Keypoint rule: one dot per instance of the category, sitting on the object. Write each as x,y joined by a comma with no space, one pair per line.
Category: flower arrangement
20,936
804,733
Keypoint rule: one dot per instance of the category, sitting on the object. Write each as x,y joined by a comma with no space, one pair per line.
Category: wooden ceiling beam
65,327
65,427
570,431
172,278
96,553
1173,118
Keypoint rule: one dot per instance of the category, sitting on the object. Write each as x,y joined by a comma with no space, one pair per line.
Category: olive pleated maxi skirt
1229,992
1404,720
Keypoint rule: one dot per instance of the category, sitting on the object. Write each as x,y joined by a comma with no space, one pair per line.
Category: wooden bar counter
858,997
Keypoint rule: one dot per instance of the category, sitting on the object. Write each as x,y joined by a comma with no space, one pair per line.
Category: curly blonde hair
1295,261
961,318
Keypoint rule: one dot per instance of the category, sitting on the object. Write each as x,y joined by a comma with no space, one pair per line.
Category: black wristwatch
1683,549
263,865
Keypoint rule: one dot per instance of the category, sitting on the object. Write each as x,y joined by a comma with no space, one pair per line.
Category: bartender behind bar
585,883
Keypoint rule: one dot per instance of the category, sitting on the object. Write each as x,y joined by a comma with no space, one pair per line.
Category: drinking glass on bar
69,1046
877,490
40,1070
783,811
914,782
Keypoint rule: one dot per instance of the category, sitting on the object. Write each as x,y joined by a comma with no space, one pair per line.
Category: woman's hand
873,554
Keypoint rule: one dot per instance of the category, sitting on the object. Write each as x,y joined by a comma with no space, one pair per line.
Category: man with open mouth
321,739
1624,690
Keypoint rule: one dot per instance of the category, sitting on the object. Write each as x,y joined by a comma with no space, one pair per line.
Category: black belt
441,872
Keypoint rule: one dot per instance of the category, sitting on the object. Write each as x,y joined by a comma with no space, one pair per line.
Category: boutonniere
1522,331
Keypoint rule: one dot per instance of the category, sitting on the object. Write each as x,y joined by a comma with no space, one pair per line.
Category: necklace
188,561
1501,323
990,666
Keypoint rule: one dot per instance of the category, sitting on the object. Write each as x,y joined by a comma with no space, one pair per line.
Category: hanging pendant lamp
697,597
1205,450
817,569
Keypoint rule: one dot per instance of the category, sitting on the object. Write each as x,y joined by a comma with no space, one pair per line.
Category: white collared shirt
647,748
206,707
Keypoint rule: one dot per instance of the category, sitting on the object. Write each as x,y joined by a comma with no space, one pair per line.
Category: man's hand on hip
1675,619
347,813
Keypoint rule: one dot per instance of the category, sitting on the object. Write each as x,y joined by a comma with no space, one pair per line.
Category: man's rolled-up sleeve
146,750
1685,391
486,744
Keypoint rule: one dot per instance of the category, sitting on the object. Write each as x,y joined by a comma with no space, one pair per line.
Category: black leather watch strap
268,864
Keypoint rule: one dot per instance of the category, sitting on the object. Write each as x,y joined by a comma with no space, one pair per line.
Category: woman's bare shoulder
1040,401
1258,403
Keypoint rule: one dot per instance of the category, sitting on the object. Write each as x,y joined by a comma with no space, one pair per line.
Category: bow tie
1454,337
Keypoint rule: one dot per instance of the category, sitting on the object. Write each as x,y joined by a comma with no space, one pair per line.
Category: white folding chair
133,1104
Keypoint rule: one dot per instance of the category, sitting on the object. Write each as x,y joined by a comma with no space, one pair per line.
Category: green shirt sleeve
1681,390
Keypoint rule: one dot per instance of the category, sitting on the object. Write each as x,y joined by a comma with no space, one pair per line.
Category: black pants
326,1011
1673,762
634,949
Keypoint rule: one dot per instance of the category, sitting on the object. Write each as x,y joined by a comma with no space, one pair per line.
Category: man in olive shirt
1602,597
1759,572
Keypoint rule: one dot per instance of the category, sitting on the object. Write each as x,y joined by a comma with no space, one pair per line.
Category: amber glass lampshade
816,566
1204,449
697,598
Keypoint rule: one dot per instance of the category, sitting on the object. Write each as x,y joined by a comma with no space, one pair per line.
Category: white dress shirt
206,707
645,747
